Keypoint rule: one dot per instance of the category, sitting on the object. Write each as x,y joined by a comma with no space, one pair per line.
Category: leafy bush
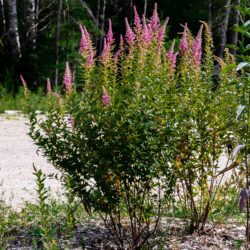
148,120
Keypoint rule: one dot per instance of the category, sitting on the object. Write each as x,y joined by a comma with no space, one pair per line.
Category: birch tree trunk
37,5
97,20
13,31
234,35
131,12
29,18
2,17
58,23
145,7
103,23
224,28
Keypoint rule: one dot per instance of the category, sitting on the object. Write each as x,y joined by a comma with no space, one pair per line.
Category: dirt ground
17,155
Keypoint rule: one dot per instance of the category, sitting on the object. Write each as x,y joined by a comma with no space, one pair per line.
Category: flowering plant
147,118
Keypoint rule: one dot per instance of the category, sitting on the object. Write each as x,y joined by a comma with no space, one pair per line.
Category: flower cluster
105,97
172,56
67,78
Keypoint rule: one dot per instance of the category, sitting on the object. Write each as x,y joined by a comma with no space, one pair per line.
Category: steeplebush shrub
148,123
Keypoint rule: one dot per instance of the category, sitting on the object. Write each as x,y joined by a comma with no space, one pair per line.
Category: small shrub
148,120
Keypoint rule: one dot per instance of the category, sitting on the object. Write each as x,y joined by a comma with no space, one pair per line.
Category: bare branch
89,12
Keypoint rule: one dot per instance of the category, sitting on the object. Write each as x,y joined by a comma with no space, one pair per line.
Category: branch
47,7
89,12
43,19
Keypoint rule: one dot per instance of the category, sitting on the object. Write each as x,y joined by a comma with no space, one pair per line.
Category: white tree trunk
145,7
13,31
102,23
234,35
224,28
58,24
29,18
3,16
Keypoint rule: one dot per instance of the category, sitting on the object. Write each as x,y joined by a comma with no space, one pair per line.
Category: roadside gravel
17,155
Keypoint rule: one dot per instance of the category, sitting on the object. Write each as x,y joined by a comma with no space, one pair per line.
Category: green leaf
237,150
231,46
227,68
242,65
240,111
247,23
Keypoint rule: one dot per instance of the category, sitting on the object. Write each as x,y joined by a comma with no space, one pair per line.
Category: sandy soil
17,155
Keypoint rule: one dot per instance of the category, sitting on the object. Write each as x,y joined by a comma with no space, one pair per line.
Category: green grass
24,228
8,101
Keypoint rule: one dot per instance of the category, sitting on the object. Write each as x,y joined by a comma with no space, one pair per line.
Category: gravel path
17,155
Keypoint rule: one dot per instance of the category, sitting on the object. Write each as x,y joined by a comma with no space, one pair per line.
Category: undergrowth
53,223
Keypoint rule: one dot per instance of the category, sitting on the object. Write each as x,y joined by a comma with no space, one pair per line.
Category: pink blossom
121,40
196,49
71,122
130,36
84,45
23,82
117,53
154,20
90,61
172,56
161,32
137,21
58,97
105,52
183,46
67,77
87,35
146,36
150,30
48,85
110,38
105,97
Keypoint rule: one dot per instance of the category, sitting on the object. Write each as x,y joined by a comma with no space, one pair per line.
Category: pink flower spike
117,53
87,36
146,36
105,51
130,36
105,97
154,20
150,30
161,32
23,82
171,50
110,37
84,43
48,85
183,46
90,61
171,56
121,41
137,21
67,77
58,97
196,49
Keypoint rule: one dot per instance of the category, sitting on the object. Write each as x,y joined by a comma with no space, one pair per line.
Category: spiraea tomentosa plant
146,120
